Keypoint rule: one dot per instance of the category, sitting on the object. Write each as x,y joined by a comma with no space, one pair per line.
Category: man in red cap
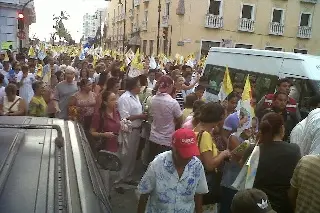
175,180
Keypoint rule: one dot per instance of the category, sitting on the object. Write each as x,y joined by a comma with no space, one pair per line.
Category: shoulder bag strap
13,104
101,124
199,137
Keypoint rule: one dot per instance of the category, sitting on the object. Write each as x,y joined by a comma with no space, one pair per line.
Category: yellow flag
246,98
6,57
226,86
136,61
123,67
40,70
246,95
95,59
31,52
114,54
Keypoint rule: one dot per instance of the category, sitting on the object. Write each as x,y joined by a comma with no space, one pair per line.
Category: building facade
9,10
193,26
92,22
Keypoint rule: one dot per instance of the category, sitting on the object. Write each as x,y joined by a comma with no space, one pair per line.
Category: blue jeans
226,199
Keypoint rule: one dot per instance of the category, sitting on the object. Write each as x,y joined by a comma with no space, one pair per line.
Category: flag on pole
136,67
247,175
31,53
245,102
42,51
226,86
136,63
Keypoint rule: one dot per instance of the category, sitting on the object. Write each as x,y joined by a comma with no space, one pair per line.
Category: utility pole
124,25
99,13
158,36
100,28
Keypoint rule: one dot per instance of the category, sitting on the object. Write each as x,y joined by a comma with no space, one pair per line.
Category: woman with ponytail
194,119
106,122
277,162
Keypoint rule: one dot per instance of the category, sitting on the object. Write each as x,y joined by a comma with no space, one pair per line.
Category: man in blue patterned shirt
175,180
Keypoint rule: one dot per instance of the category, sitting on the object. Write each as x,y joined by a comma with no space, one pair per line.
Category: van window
262,83
302,90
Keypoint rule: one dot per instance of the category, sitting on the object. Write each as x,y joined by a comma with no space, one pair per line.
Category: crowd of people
164,118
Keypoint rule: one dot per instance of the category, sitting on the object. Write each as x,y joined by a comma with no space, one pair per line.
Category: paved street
127,202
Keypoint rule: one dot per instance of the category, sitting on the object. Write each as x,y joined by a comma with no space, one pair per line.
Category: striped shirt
306,180
180,99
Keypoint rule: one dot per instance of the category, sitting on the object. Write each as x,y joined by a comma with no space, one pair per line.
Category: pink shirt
164,109
188,124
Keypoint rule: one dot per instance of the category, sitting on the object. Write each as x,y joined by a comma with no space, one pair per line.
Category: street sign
21,35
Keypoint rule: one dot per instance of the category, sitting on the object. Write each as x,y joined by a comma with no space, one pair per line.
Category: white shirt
19,76
128,105
306,134
168,192
151,84
2,92
14,105
164,109
96,77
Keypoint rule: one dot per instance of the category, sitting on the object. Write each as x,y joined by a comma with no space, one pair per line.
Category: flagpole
158,36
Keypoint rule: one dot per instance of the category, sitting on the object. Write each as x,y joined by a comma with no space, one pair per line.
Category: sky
45,9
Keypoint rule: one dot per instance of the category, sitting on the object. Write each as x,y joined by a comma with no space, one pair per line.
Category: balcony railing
130,13
135,28
144,26
121,17
165,21
304,32
136,3
120,37
246,25
213,21
276,28
310,1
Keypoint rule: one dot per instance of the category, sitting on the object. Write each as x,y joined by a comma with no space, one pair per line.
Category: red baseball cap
185,142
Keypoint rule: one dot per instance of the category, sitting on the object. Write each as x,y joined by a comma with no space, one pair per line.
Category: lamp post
124,25
158,36
22,11
100,21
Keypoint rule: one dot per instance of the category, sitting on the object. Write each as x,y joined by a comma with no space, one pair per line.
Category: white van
266,67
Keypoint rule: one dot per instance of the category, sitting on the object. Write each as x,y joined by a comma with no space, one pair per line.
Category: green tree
59,27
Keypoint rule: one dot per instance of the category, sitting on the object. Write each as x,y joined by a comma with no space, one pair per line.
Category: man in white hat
64,90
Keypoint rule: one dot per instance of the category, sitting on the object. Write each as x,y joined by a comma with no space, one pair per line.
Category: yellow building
196,25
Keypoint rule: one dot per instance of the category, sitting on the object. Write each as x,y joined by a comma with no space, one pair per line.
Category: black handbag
213,180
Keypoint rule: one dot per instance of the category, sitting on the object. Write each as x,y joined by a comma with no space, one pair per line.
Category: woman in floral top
38,106
82,104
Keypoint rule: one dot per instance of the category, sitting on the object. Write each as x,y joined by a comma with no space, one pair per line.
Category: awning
135,41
